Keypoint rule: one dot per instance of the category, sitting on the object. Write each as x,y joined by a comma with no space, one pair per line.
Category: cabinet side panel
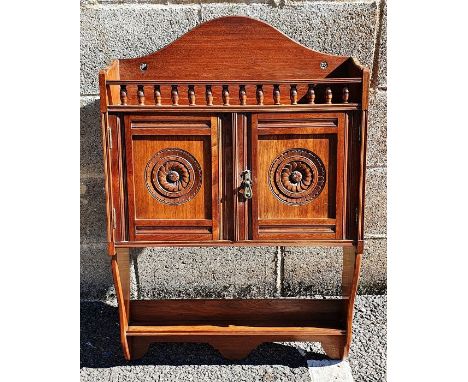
353,170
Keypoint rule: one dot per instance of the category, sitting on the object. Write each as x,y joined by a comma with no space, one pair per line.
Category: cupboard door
298,177
172,177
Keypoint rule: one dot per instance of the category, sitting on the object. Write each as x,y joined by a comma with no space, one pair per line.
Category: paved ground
102,360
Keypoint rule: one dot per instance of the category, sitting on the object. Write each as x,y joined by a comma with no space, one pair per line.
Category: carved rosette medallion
297,176
173,176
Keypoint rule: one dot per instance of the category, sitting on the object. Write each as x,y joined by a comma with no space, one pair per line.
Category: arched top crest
236,48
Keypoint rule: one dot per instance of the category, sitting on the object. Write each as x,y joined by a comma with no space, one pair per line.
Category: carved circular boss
173,176
297,176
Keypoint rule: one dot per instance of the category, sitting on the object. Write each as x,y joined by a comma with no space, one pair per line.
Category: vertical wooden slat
127,132
345,95
191,95
345,176
225,95
340,154
365,88
103,91
107,184
115,171
259,94
175,95
242,95
347,274
311,94
243,121
209,96
123,94
239,164
362,175
353,265
293,94
328,95
215,177
157,95
222,177
141,95
121,275
254,158
276,95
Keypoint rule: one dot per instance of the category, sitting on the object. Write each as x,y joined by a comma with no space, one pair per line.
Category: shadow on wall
95,271
100,346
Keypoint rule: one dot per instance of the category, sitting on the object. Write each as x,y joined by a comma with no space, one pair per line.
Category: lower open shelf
236,326
237,317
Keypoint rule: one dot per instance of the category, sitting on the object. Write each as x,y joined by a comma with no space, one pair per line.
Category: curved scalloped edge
228,45
201,25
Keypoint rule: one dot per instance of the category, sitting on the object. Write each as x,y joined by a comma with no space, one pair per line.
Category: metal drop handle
247,184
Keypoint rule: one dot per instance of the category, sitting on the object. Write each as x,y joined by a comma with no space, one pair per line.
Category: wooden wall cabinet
235,135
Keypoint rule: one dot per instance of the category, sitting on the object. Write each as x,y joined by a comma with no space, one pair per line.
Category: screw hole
143,67
323,65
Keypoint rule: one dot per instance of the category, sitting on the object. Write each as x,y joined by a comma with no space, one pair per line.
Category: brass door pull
247,184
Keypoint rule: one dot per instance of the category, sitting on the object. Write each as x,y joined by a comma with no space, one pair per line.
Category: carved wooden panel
297,164
297,176
172,177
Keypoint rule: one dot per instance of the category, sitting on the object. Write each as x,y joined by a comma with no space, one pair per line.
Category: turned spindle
293,94
191,95
225,95
259,94
328,95
311,94
209,96
276,95
345,95
242,95
157,95
141,95
123,94
175,95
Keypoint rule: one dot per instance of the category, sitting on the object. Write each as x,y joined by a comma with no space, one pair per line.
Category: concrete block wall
130,28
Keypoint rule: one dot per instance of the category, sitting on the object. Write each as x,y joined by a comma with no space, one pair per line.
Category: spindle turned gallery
235,135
